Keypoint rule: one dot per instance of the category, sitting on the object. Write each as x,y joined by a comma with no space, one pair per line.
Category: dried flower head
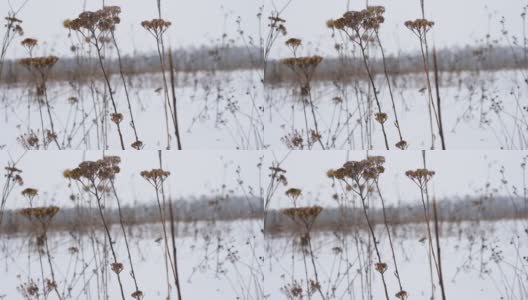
41,214
420,176
92,23
359,171
156,27
117,117
155,176
302,62
305,215
29,44
117,267
39,63
381,117
95,174
402,145
357,25
420,27
30,192
293,44
381,267
138,295
402,295
138,145
304,68
294,140
293,192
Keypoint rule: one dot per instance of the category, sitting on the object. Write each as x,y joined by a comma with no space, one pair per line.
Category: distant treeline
232,58
192,59
449,60
453,210
192,210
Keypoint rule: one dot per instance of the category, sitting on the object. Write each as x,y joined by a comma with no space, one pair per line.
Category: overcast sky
196,22
195,173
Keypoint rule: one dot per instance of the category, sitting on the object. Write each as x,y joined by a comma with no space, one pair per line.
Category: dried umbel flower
50,136
306,215
88,172
95,22
357,25
117,118
30,290
302,62
138,145
314,285
420,27
359,171
29,44
39,63
293,192
314,136
155,176
29,140
30,192
381,117
50,284
156,27
117,267
42,214
402,145
293,44
304,68
294,140
402,295
381,267
138,295
420,176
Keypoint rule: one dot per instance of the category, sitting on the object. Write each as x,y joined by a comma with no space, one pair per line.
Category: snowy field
233,260
232,110
215,261
479,261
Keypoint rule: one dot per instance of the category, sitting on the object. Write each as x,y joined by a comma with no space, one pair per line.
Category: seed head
381,117
117,267
30,192
381,267
117,118
156,26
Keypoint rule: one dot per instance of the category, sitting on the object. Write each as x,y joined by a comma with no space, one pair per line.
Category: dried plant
96,27
95,177
359,177
40,68
304,68
360,27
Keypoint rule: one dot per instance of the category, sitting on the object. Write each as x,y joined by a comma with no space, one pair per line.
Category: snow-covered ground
479,261
215,261
232,110
233,260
